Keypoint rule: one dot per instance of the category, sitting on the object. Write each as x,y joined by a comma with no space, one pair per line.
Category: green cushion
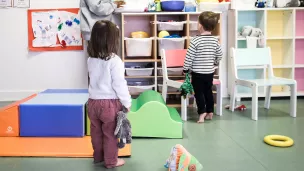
150,117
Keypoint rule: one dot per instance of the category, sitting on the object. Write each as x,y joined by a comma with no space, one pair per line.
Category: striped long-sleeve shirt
203,55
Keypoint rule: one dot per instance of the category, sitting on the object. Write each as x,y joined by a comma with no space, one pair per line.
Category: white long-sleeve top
107,80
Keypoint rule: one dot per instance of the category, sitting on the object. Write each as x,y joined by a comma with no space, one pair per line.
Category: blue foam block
65,91
53,115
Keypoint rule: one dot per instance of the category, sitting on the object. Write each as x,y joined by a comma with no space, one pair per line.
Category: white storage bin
138,47
243,4
171,71
169,89
138,87
171,26
139,71
193,26
213,6
170,44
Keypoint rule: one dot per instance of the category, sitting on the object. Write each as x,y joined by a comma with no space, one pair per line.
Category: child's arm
189,57
101,7
218,54
119,83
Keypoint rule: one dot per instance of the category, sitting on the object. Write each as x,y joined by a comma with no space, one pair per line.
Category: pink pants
103,114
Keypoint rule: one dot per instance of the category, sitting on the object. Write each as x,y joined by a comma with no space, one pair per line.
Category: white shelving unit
149,22
283,30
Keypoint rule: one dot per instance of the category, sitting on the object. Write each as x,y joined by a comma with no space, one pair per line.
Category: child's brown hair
104,42
208,20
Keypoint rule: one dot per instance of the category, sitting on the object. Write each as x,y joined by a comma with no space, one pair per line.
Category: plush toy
181,160
253,32
293,3
186,87
260,3
281,3
123,129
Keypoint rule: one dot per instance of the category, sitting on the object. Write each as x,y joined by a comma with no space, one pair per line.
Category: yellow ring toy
278,141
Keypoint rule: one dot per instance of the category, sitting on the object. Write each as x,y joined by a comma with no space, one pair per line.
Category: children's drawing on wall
50,26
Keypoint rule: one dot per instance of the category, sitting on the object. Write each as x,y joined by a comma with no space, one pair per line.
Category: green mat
150,117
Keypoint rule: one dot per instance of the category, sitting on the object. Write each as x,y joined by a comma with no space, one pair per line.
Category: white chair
258,57
175,58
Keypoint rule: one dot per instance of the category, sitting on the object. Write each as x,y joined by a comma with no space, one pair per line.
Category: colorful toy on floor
123,129
151,117
186,87
239,107
278,141
181,160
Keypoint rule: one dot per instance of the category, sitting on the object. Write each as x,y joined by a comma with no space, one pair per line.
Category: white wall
23,73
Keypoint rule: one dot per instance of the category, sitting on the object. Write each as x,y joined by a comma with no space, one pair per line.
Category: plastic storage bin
171,71
139,71
170,44
169,89
193,26
138,47
171,26
138,87
213,6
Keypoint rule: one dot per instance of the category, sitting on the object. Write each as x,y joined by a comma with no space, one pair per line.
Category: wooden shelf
283,32
147,22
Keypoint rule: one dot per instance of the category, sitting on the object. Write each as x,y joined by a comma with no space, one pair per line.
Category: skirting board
16,95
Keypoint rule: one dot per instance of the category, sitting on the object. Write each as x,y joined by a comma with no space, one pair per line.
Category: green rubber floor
232,142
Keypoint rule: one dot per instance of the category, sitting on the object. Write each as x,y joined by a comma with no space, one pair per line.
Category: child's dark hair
104,42
208,20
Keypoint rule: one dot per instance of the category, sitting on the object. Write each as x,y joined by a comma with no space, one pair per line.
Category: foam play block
65,91
51,147
151,117
54,115
9,118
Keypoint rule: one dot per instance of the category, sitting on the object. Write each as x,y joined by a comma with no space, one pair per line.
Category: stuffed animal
260,3
186,87
253,32
293,3
181,160
123,129
281,3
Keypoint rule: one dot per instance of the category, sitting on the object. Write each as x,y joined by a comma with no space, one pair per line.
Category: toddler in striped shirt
203,55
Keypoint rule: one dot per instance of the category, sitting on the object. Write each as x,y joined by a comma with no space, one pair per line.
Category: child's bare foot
209,116
202,118
120,162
